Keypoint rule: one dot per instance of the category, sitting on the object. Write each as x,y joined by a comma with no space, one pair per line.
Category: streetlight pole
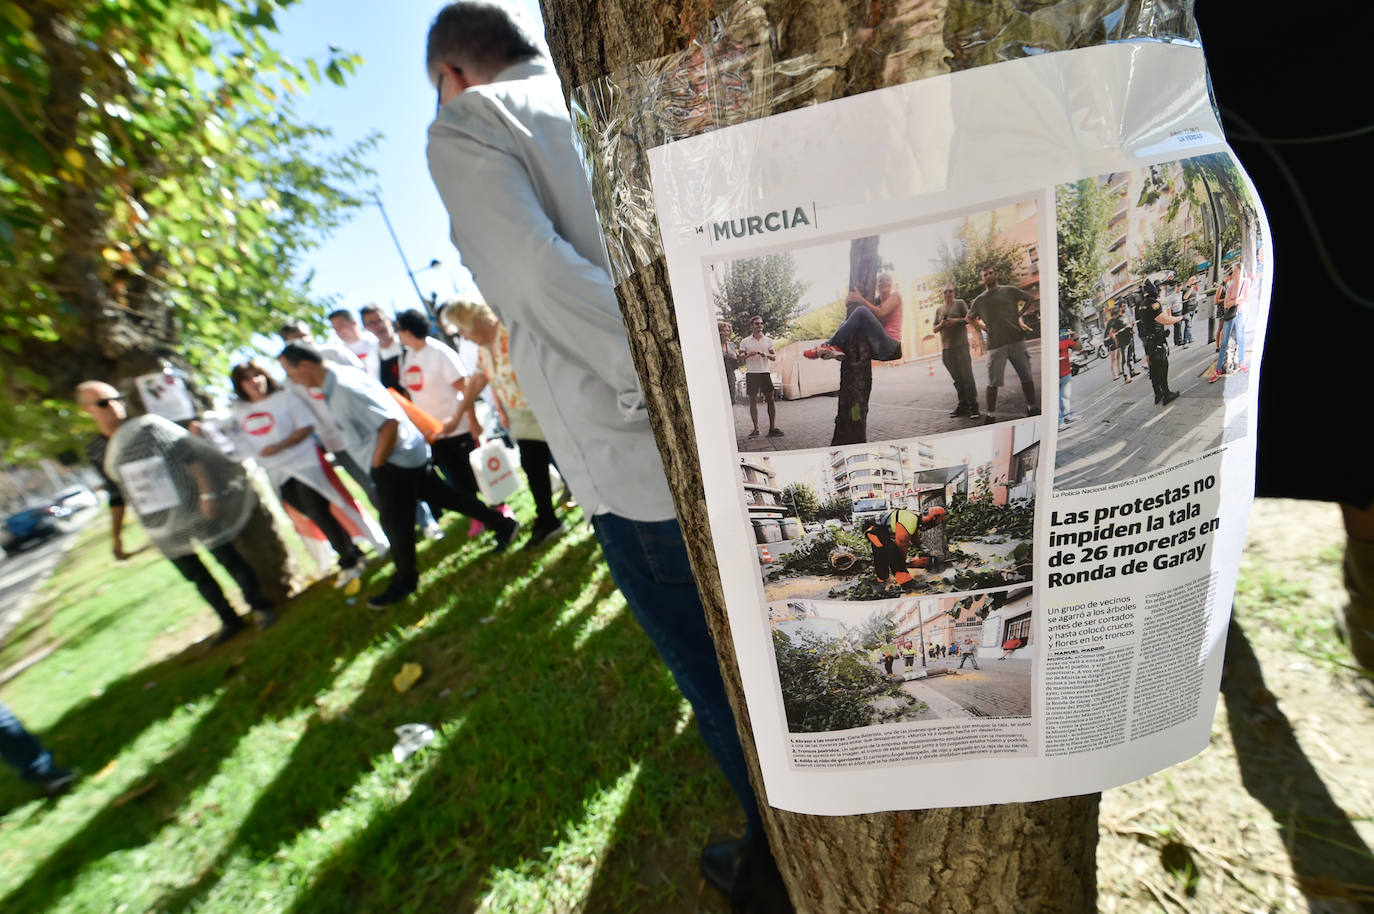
377,199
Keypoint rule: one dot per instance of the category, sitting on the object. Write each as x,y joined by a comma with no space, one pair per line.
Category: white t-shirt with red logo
366,349
267,422
429,376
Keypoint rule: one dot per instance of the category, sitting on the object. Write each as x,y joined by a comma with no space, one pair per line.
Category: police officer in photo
1152,319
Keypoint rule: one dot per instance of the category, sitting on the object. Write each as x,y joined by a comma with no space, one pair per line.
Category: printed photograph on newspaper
1160,271
939,566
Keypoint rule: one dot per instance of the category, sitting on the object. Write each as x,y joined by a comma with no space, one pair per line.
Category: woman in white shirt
273,425
473,319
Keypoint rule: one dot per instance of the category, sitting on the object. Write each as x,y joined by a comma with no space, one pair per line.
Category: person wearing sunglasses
184,491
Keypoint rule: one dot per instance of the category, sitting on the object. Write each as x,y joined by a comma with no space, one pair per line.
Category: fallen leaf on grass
421,622
135,792
409,675
103,773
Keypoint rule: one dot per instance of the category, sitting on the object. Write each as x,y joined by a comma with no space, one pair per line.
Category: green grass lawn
257,776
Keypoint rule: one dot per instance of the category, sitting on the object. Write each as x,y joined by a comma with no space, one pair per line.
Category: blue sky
389,94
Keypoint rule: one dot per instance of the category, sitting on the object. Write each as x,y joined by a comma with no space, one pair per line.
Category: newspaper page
969,361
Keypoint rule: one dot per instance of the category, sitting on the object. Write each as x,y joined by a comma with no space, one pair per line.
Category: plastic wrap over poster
970,366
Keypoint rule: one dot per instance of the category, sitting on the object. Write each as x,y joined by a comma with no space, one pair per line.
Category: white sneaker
348,574
432,532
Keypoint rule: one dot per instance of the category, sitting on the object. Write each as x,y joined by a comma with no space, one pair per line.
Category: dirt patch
1277,814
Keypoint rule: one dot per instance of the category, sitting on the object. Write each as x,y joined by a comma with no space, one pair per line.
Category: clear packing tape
738,71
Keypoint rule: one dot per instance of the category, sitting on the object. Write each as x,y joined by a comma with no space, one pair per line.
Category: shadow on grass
298,654
557,705
1330,859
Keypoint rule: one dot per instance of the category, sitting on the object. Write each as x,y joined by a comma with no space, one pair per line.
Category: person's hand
501,414
1023,324
853,296
209,505
270,450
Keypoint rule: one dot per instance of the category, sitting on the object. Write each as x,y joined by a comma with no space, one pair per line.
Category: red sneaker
824,351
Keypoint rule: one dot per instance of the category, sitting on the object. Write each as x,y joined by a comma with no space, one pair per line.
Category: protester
474,320
757,350
1123,351
502,158
878,322
968,652
388,372
184,491
436,380
363,344
1068,342
377,433
1001,310
729,355
1237,294
325,428
277,428
951,322
22,751
892,536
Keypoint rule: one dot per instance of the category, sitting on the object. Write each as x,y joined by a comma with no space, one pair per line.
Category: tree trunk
1013,858
856,371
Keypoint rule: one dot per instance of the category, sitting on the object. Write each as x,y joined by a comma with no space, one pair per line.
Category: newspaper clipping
975,408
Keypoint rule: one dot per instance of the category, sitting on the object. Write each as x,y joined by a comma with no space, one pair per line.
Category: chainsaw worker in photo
893,535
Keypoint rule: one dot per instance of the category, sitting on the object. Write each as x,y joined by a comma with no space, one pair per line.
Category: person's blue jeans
1230,328
648,561
863,322
1065,408
24,753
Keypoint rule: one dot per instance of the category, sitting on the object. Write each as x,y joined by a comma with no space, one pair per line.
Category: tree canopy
961,264
158,190
1083,212
766,286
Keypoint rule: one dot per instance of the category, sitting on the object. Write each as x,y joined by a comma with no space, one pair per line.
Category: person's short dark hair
365,310
756,317
987,265
413,321
344,313
293,328
295,353
478,34
240,371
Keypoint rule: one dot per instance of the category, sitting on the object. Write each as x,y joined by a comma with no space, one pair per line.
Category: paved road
908,400
1121,433
23,572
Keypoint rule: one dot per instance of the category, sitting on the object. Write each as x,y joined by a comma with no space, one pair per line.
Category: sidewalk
1000,688
908,401
1121,433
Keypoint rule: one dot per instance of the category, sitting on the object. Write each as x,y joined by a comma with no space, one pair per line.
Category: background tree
962,264
766,286
773,56
802,499
156,190
156,195
1083,210
841,507
1166,249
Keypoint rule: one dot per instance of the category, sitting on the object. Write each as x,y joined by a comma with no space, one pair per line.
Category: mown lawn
258,776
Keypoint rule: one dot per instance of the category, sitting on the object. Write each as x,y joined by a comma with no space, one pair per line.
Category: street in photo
1159,277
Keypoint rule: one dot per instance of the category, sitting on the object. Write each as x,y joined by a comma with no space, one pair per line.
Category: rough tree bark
1019,857
856,371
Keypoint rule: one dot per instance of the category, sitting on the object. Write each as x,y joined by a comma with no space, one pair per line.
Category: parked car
75,498
33,525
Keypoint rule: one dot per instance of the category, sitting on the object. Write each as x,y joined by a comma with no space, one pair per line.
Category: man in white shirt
389,348
434,377
376,431
502,158
361,343
326,429
757,349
